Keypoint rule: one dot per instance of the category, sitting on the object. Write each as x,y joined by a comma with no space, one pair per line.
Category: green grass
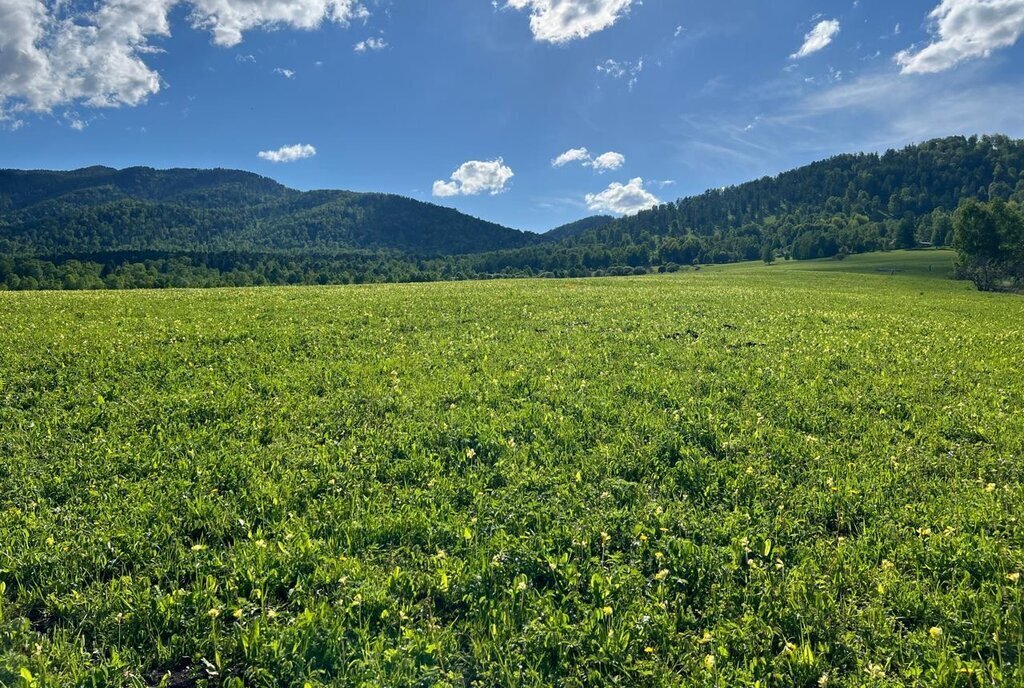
797,475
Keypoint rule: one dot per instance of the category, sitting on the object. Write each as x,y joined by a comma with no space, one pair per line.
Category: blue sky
668,97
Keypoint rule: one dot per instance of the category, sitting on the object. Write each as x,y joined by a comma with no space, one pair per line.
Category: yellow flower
991,487
470,453
198,548
1013,577
214,613
605,537
649,650
709,662
237,614
607,611
935,632
661,575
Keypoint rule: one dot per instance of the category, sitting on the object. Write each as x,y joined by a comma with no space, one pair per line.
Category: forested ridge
137,209
139,227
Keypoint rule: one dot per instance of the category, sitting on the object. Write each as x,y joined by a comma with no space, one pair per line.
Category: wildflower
935,632
521,585
470,453
214,613
661,575
271,614
875,671
607,611
824,680
605,538
649,650
198,548
709,662
991,487
643,538
237,613
1013,577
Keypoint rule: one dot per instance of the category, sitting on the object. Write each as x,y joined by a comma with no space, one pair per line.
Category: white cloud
623,69
228,19
56,53
476,177
289,153
608,161
286,73
571,155
602,163
623,199
818,38
964,30
559,21
370,44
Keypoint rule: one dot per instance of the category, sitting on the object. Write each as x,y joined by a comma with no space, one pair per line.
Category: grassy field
796,475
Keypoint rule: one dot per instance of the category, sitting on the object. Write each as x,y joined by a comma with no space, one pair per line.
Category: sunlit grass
750,475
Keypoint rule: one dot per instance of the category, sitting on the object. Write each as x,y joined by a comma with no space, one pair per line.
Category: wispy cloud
818,38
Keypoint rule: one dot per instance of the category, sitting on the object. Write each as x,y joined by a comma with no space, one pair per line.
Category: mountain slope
578,227
99,209
858,203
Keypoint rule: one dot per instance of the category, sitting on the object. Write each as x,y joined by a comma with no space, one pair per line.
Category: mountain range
139,226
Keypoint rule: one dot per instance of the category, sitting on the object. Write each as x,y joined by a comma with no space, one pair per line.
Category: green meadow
805,474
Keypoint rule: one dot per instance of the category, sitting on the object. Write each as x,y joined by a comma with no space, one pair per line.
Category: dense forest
99,227
101,210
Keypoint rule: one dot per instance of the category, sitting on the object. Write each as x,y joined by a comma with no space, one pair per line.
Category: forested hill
99,209
100,227
579,227
851,203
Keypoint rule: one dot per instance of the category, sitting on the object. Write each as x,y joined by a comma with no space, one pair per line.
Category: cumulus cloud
286,73
818,38
227,20
476,177
289,153
608,161
560,21
602,163
964,30
623,199
370,44
57,53
571,155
